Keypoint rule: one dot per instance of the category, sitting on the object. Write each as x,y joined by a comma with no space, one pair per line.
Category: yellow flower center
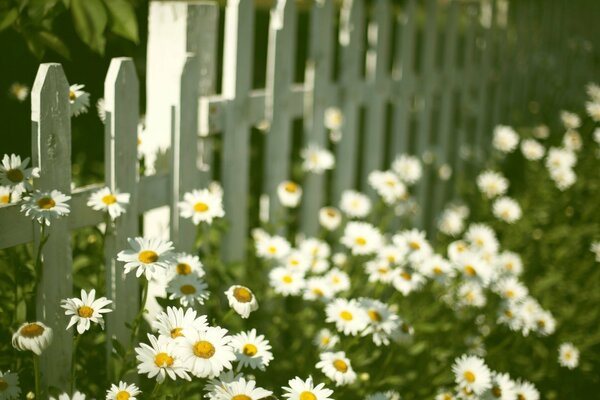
187,289
183,269
340,365
405,328
405,275
361,241
204,349
391,259
109,199
148,256
290,187
390,183
346,315
32,330
568,355
163,360
541,323
123,395
85,311
4,199
470,271
249,350
287,279
15,175
510,294
469,376
374,315
241,397
325,340
383,270
331,213
200,207
414,245
3,385
242,295
46,203
521,397
317,291
272,250
307,396
176,332
72,95
437,270
496,391
294,262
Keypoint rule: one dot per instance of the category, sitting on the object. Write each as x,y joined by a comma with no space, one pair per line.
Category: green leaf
37,10
55,43
35,44
8,18
118,348
123,21
90,19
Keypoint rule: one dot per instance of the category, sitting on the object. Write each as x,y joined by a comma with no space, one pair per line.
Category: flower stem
155,390
36,373
135,327
73,362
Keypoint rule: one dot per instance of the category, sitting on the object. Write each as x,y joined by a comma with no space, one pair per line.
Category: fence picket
51,152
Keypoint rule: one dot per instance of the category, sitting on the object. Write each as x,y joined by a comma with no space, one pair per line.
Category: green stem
76,340
155,390
135,327
36,372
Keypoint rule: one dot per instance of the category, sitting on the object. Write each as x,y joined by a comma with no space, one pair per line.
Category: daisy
570,120
78,99
306,390
471,294
339,259
289,194
503,388
315,248
596,135
45,206
394,255
445,395
379,270
436,267
241,389
407,281
532,149
382,321
330,218
319,288
348,316
457,249
218,385
101,109
189,289
336,366
123,391
593,110
451,222
159,359
471,373
286,282
251,350
242,300
510,288
325,339
593,90
572,141
408,168
595,248
355,204
273,247
113,203
76,396
509,263
568,355
389,395
201,206
316,159
362,238
563,178
33,336
185,264
526,391
559,159
492,184
9,386
334,118
85,310
206,353
473,267
19,91
14,173
541,132
505,139
445,172
482,238
297,261
178,322
150,257
7,195
506,209
412,240
388,186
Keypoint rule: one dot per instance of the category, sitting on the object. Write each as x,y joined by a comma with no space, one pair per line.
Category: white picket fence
377,76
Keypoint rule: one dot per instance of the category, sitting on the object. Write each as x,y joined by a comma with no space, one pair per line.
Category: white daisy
505,139
509,263
407,281
503,388
296,260
325,339
217,385
286,282
388,186
242,300
593,90
471,294
14,173
78,99
532,149
206,353
330,218
355,204
251,350
318,288
333,118
473,267
45,206
526,391
541,131
457,249
101,109
177,322
492,184
316,159
572,141
451,222
563,178
306,390
159,359
436,267
65,396
570,120
506,209
482,238
348,316
241,389
185,264
201,206
383,323
336,366
315,248
123,391
32,336
85,310
147,256
273,247
408,168
379,270
289,194
362,238
593,110
9,385
7,195
510,288
560,159
113,203
568,355
394,255
471,373
189,289
19,91
595,248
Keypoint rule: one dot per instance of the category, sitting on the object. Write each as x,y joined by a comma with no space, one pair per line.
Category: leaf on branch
123,21
90,19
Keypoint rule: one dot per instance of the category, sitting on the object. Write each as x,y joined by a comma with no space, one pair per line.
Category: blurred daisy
506,209
436,267
563,178
189,289
8,196
159,359
318,288
14,173
65,396
509,263
572,141
473,267
482,238
389,395
593,90
177,322
297,261
382,321
101,109
289,194
206,353
337,280
505,139
315,248
32,336
407,281
503,388
336,366
218,385
251,350
471,373
45,206
560,159
78,99
286,282
241,389
471,294
325,339
593,110
85,310
570,120
595,248
510,288
408,168
123,391
242,300
394,255
362,238
388,186
379,270
333,118
541,132
526,391
306,390
19,91
492,184
201,206
151,257
9,386
348,316
330,218
532,149
316,159
185,264
451,222
568,355
355,204
273,247
113,203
